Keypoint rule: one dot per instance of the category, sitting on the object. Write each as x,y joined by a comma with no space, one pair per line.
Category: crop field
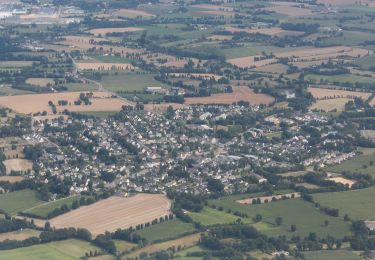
240,93
328,105
263,199
209,217
131,13
18,165
26,104
43,209
130,82
167,230
289,10
18,201
104,66
358,204
321,93
61,250
115,212
183,242
293,211
19,235
15,64
104,31
42,82
11,179
274,31
342,78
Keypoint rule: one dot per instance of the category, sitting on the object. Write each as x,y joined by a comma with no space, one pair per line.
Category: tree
279,220
258,217
293,228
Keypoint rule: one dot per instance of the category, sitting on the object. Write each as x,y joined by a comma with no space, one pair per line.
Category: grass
18,201
19,234
331,255
358,204
15,64
111,59
81,87
165,231
124,245
7,90
342,78
130,82
67,249
44,209
209,217
183,254
100,114
293,211
366,62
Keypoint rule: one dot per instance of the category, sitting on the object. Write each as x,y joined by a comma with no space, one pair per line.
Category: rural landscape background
187,129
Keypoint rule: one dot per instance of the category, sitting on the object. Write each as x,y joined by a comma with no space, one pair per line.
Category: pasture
128,82
210,217
331,255
61,250
115,212
293,211
358,204
17,201
167,230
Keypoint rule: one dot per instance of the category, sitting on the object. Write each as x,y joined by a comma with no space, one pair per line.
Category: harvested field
131,13
104,31
182,242
240,93
26,104
266,199
104,66
328,105
324,93
42,82
19,234
206,76
274,31
11,179
18,165
342,180
293,174
115,212
251,62
292,11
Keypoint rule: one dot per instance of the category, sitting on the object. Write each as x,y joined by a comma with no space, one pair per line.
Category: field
321,93
11,179
101,66
115,212
15,64
17,165
61,250
26,104
274,31
341,78
122,245
18,201
293,211
328,105
104,31
183,242
43,209
240,93
209,217
42,82
289,10
130,82
263,199
131,13
166,230
358,204
331,255
19,235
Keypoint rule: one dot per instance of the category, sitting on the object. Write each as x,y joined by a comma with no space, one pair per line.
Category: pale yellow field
131,13
289,10
115,212
321,93
269,198
104,31
274,31
330,104
34,103
342,180
17,165
104,66
251,62
43,82
11,179
19,234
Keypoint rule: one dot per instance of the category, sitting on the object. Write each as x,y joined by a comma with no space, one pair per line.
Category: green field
331,255
209,217
358,204
183,254
360,164
43,210
17,201
341,78
366,62
61,250
293,211
111,59
165,231
124,245
100,114
81,87
130,82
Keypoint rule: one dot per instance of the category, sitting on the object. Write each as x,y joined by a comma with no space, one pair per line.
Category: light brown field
269,198
273,68
18,165
322,93
103,66
131,13
330,104
182,242
19,234
115,212
240,93
293,174
43,82
274,31
290,10
11,179
251,62
34,103
205,76
104,31
342,180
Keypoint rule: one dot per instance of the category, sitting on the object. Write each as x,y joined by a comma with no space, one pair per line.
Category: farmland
17,201
97,66
129,82
209,217
17,165
332,255
42,82
327,105
19,235
321,93
122,213
104,31
357,203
